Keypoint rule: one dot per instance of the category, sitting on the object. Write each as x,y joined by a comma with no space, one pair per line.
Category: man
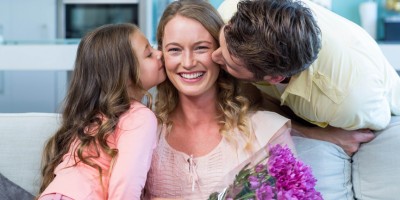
326,69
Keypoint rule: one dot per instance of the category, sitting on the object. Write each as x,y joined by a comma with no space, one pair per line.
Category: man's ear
274,79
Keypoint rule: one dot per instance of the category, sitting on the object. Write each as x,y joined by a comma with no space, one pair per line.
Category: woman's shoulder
266,121
267,116
265,124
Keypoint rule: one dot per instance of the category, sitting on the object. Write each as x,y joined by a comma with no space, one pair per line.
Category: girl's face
187,48
150,65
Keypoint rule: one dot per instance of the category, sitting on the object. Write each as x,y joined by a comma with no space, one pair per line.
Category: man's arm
349,141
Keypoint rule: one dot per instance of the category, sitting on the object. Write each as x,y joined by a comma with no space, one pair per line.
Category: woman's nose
188,60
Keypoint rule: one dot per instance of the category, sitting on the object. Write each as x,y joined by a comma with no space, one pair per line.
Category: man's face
231,64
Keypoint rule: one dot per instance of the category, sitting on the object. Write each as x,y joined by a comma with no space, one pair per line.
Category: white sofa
24,134
373,173
22,139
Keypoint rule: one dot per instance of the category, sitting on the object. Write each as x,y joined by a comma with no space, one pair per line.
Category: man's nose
217,56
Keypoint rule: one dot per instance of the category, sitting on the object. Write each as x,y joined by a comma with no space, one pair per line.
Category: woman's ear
274,79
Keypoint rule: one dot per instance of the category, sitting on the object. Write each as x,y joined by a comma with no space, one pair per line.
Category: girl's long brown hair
97,97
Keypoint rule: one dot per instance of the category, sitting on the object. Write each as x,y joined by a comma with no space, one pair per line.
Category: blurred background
38,39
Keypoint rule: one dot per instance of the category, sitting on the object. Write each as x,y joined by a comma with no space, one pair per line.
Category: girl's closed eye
151,50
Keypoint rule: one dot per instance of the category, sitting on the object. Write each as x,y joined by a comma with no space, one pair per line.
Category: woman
207,126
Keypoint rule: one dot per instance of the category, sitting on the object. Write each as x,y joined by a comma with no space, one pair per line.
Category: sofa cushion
376,166
11,191
22,138
330,165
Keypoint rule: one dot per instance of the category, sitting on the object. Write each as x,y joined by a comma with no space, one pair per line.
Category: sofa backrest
22,137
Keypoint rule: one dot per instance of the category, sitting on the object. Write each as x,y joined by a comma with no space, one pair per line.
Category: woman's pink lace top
174,174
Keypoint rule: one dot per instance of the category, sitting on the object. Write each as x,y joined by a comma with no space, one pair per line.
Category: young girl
104,146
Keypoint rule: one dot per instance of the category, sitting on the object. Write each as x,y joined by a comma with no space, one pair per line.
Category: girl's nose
158,54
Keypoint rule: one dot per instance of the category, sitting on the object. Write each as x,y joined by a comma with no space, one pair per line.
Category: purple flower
294,180
265,192
279,176
254,182
260,168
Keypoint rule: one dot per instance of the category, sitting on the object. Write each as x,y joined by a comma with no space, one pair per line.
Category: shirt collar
300,85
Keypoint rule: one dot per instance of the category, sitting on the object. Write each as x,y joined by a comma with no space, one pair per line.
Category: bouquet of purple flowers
276,176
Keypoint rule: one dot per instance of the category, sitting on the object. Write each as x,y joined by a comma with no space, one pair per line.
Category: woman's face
187,48
151,68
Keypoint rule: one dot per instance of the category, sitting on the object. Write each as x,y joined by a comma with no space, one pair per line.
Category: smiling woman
187,48
207,127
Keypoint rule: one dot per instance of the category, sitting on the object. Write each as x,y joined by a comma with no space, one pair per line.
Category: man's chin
240,78
249,80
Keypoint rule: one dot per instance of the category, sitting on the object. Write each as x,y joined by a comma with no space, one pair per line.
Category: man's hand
350,141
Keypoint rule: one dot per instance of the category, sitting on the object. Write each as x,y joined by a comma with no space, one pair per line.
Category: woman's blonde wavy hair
97,96
232,106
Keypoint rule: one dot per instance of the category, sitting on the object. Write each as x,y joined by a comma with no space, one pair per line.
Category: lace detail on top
193,172
174,174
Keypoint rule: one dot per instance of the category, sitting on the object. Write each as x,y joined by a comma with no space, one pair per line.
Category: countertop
38,55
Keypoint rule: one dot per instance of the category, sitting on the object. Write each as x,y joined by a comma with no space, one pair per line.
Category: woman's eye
173,50
201,48
150,54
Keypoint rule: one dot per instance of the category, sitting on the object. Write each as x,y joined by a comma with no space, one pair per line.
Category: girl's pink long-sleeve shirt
135,139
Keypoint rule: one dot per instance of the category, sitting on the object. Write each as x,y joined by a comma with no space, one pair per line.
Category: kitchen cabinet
29,90
392,51
28,20
34,77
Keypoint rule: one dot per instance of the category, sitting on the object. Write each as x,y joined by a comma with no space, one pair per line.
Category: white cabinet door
28,20
32,91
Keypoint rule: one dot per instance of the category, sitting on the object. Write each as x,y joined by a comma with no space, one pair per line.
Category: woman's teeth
191,75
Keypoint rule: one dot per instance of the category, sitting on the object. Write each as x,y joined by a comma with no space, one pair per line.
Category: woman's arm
283,137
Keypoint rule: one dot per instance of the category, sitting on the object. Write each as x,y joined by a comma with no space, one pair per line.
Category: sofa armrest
376,166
